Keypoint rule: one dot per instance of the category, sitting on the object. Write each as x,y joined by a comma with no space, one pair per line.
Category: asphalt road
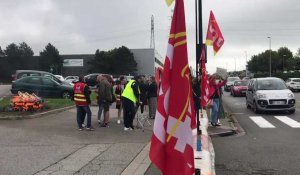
260,151
4,90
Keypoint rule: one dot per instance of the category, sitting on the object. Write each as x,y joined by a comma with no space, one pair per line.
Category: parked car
24,73
91,79
42,86
71,79
293,84
229,84
269,94
239,88
61,78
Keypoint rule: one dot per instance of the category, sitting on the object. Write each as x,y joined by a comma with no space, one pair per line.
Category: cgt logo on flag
214,36
172,143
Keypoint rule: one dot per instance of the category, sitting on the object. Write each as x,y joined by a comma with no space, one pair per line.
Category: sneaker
213,124
104,125
119,121
90,129
80,129
127,129
218,124
99,121
83,125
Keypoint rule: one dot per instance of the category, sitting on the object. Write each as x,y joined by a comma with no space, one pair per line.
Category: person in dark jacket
82,100
144,92
152,96
104,99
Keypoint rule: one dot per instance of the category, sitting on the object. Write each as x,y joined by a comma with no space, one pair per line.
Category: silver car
269,94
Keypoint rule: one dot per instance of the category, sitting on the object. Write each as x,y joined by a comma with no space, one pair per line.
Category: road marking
261,122
292,123
237,113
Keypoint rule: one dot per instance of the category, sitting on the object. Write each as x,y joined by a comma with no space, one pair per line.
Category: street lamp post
246,64
283,58
270,67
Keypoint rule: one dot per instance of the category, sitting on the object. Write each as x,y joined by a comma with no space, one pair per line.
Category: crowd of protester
139,93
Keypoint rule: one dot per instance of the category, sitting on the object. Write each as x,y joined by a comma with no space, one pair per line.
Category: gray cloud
80,26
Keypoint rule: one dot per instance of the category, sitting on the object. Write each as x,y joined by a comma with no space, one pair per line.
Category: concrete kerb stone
235,124
140,164
11,117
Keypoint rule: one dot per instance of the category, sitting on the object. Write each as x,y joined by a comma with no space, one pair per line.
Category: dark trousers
81,112
128,112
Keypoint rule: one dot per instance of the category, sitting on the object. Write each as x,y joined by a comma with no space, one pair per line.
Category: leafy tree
25,50
12,50
116,61
2,54
50,59
18,55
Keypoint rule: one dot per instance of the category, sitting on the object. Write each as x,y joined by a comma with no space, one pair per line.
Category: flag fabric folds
172,144
169,2
206,91
214,36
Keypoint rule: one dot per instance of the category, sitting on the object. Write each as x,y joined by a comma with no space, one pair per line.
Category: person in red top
215,97
82,100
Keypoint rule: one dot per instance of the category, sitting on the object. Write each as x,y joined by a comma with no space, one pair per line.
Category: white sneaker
119,121
83,125
126,129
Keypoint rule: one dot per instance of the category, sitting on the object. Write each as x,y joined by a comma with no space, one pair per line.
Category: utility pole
246,65
199,46
270,59
152,39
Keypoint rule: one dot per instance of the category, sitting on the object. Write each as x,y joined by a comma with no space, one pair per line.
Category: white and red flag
206,90
214,35
172,144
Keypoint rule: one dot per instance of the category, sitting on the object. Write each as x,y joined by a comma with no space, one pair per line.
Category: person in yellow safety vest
82,100
130,97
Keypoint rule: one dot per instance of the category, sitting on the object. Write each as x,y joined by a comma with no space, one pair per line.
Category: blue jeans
215,110
81,112
100,110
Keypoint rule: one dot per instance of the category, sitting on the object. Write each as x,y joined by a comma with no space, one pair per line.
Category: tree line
282,60
116,61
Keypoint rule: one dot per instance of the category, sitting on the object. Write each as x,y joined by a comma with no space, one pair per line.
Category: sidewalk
105,151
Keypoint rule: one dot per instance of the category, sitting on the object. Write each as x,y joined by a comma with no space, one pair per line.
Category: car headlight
259,96
291,95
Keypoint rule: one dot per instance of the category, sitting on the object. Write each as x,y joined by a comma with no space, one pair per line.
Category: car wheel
66,94
255,109
247,104
292,111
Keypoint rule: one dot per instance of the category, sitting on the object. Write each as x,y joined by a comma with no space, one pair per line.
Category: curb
37,114
235,124
140,164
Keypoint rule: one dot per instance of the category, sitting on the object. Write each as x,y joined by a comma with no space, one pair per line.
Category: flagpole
199,45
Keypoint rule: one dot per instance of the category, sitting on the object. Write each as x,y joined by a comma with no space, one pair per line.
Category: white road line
292,123
261,122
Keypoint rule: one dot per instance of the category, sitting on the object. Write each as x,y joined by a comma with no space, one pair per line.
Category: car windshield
271,84
231,79
240,83
296,80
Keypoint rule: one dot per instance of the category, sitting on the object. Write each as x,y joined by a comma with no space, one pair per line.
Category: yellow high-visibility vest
128,92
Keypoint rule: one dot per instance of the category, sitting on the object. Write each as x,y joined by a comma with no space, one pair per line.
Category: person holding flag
172,145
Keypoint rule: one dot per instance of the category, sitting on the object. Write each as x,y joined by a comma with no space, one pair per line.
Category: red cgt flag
205,88
214,36
172,144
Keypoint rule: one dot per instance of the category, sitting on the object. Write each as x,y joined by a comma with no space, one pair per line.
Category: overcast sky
82,26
